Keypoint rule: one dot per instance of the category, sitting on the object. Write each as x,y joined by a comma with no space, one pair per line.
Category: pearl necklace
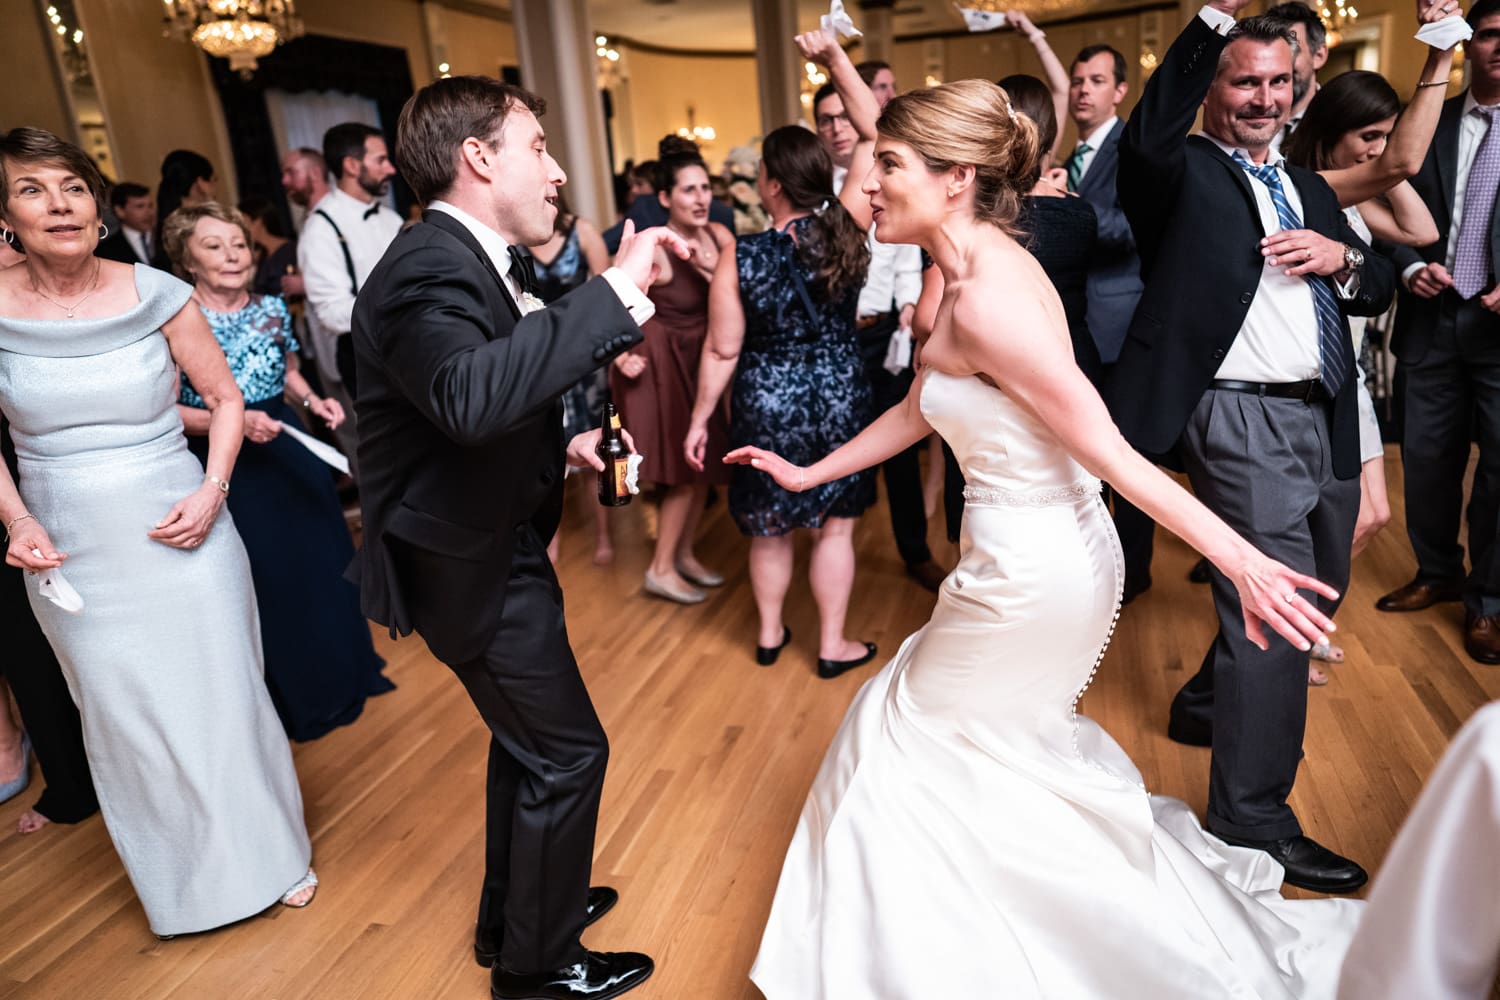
93,287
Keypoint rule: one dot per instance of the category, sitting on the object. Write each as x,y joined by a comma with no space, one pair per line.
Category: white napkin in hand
329,456
837,21
633,473
981,20
57,589
1446,33
898,351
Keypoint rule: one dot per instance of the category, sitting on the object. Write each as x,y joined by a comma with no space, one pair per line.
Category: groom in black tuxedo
460,371
1238,366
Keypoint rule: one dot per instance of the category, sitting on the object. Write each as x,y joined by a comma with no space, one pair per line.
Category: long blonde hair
970,123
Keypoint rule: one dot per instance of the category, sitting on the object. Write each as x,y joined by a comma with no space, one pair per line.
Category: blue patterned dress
800,388
320,662
583,404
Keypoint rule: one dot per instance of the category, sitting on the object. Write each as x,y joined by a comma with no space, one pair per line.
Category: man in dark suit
1238,365
1447,340
460,372
135,207
1096,88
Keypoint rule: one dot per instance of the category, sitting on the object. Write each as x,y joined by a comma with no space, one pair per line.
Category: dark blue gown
800,388
320,662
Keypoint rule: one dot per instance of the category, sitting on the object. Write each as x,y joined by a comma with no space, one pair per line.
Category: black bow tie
372,210
523,269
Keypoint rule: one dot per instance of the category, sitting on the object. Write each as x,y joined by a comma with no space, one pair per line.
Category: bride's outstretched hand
1269,596
788,476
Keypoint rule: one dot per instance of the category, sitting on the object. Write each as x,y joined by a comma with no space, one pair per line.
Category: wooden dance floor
711,756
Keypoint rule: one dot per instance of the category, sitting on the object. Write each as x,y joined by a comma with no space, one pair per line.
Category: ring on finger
1291,597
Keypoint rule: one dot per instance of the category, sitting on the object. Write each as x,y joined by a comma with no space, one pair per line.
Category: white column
778,65
556,48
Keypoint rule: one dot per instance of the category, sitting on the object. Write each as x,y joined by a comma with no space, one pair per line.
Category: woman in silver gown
194,775
969,833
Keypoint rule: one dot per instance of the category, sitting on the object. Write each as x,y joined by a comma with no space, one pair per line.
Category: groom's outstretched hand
637,253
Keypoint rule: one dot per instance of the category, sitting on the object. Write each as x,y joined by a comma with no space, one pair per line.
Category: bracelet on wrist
1431,83
15,521
221,484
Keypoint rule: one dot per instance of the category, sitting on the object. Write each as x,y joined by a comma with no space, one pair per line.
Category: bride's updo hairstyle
970,123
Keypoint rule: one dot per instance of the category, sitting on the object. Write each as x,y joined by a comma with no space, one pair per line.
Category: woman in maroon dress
654,384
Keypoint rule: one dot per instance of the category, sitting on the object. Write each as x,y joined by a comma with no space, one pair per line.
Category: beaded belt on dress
992,497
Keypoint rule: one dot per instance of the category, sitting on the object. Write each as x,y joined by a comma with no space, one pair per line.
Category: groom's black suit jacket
1198,230
460,428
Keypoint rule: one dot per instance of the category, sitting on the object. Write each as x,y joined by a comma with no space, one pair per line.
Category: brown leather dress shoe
1418,595
1482,637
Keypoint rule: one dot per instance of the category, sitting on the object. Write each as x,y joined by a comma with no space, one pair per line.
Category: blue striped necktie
1334,352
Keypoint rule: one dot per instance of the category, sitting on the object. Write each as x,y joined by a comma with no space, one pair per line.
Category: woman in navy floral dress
781,323
320,662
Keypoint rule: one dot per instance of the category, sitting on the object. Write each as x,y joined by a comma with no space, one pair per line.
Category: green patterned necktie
1075,165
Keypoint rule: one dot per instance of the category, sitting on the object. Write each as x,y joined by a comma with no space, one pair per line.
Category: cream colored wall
477,44
721,89
155,92
30,93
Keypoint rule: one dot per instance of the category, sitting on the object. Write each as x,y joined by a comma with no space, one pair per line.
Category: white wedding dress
970,836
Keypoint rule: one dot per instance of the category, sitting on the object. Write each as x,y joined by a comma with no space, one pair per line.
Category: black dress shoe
601,975
1188,731
1200,573
487,942
1308,864
766,655
928,573
829,669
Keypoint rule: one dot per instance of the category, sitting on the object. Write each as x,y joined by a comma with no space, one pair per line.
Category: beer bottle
616,457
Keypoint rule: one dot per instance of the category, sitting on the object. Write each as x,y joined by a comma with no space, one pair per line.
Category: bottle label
622,471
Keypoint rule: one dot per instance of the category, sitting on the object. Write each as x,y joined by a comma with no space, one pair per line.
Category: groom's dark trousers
461,452
1283,472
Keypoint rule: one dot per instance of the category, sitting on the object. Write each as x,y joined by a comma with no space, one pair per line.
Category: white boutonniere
530,304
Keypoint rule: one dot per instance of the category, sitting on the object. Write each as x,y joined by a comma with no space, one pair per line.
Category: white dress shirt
1094,140
1471,132
895,269
137,241
369,229
1279,339
640,306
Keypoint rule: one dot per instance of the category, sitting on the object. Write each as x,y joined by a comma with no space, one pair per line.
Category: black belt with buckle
865,322
1310,391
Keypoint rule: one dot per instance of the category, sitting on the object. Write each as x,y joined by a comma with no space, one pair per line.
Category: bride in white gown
969,834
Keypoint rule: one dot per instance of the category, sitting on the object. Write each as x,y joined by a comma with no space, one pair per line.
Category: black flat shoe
829,669
601,975
1308,864
487,943
766,655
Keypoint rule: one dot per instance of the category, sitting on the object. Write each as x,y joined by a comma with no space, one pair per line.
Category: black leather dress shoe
601,975
1134,587
1308,864
1201,572
829,669
1189,731
487,942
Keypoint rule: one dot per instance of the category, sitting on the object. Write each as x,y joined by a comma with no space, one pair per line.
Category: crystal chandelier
241,31
1031,8
1338,17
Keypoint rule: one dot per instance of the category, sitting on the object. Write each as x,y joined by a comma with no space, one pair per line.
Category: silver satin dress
193,771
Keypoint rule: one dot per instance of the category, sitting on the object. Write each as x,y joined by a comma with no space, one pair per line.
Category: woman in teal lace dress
194,775
320,663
